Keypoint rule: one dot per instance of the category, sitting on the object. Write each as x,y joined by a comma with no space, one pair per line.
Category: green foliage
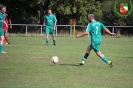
33,11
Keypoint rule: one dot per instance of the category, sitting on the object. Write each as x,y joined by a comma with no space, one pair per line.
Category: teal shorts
95,46
49,30
1,32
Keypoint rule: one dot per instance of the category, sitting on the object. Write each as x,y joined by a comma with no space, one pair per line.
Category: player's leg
53,35
6,38
47,39
97,51
54,39
86,55
6,35
2,42
104,58
47,31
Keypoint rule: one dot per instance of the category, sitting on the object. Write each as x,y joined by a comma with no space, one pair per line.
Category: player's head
91,17
49,11
3,9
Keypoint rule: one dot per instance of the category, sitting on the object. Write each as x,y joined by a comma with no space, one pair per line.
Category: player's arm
44,22
55,25
6,24
10,22
107,30
55,22
82,34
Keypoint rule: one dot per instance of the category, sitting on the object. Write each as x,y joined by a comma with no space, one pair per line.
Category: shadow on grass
70,65
130,57
76,65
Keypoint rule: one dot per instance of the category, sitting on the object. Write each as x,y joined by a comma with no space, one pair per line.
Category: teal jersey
50,20
2,18
95,28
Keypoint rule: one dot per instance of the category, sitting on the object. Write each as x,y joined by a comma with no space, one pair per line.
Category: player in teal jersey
94,28
2,18
50,26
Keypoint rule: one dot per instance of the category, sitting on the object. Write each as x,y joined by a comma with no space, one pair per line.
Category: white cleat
3,52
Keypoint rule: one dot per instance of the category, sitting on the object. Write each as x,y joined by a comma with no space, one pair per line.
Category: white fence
71,27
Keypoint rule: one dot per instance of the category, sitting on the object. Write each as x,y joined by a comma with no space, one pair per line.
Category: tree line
33,11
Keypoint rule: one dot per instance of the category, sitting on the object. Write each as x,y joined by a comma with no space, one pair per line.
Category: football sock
1,48
47,39
104,59
85,57
6,38
54,40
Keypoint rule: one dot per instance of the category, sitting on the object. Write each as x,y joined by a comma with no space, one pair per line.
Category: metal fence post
41,30
71,31
113,29
26,30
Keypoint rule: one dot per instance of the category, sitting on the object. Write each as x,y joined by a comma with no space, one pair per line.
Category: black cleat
54,44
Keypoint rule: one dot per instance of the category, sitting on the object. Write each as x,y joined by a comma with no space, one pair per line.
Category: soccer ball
55,59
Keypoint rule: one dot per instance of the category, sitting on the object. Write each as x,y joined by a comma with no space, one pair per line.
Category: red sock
6,38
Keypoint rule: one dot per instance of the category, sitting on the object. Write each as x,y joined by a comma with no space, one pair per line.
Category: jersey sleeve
103,26
55,20
88,28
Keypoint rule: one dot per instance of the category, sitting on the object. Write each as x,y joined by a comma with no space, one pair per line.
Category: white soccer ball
55,59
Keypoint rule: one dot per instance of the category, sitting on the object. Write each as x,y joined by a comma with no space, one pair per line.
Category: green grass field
28,64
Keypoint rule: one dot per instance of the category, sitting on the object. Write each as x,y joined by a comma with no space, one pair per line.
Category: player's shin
1,47
54,40
85,57
6,38
104,59
47,39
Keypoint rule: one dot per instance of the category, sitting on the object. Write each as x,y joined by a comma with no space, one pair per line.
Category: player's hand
113,34
54,28
77,36
10,26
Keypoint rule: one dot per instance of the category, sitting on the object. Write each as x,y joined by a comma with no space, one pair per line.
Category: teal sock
104,59
83,59
1,48
54,40
47,39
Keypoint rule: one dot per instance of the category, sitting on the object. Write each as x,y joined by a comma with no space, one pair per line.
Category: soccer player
94,28
7,19
2,18
50,26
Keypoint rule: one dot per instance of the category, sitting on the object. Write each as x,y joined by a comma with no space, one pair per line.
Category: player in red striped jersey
7,20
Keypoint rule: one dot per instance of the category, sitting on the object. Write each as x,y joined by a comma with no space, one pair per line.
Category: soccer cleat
54,44
7,43
82,63
110,64
3,52
46,44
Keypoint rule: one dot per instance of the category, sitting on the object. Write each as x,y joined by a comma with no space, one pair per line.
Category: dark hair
49,8
3,7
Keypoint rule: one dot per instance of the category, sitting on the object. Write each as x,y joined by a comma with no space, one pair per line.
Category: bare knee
53,36
47,35
88,49
99,54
